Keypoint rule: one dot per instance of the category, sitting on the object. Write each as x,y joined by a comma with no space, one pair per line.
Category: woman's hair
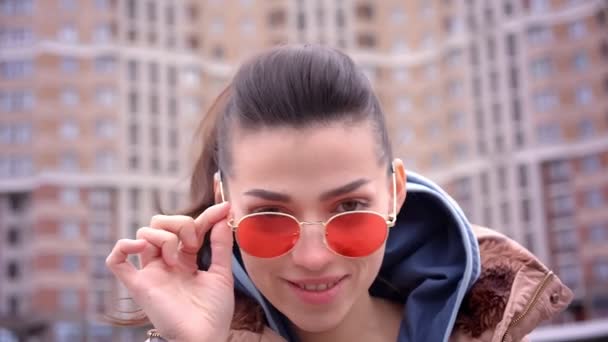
288,86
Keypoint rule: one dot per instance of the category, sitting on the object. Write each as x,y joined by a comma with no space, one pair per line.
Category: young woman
297,166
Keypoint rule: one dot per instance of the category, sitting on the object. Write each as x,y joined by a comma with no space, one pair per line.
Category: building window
153,72
13,236
586,128
104,128
398,16
69,130
69,196
217,26
428,42
69,301
403,105
594,199
365,12
12,270
16,37
400,74
584,95
132,70
69,161
105,96
104,161
366,40
577,30
22,134
454,58
455,89
100,198
400,46
570,274
133,102
598,233
67,5
16,7
102,4
69,65
151,11
545,101
170,15
16,69
105,64
191,76
541,68
99,266
154,136
559,170
173,139
70,263
70,97
132,9
591,164
539,35
600,269
100,231
247,26
68,34
134,162
69,230
566,240
525,210
539,6
580,61
13,306
102,33
511,45
549,133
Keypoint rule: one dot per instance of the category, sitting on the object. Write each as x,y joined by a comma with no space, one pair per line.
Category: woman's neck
370,319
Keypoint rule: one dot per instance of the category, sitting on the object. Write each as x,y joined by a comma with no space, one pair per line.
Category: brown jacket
513,295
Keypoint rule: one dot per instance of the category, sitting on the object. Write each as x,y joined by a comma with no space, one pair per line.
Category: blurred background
504,103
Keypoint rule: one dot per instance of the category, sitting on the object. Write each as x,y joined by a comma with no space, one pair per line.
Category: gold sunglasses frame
390,219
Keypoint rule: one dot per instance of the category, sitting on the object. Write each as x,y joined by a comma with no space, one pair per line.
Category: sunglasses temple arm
393,216
219,175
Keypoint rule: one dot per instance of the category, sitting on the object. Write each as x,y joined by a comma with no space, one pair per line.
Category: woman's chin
315,322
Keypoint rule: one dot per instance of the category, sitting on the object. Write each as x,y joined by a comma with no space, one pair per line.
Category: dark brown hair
293,86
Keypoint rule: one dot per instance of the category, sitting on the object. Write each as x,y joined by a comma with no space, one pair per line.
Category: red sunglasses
350,234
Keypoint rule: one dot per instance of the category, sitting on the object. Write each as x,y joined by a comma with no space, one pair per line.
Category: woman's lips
317,291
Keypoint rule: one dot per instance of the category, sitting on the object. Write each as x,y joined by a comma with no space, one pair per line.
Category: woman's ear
401,182
217,187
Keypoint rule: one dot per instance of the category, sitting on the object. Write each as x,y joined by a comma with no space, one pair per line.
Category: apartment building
505,103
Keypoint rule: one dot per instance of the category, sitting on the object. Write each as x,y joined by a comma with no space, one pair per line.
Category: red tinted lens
356,234
267,235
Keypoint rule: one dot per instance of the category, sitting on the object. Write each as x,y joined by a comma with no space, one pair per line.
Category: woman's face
294,168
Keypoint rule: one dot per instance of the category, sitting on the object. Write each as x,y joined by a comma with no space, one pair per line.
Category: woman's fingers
182,226
149,253
215,218
210,217
166,241
118,262
221,250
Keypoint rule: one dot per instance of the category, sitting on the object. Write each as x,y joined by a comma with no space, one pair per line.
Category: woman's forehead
312,151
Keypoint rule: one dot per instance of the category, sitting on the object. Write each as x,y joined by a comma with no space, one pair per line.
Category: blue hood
431,260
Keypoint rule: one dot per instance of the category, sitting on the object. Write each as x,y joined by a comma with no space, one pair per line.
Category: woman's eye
351,206
266,210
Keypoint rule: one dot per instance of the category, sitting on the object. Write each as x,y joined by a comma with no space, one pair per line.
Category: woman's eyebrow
280,197
344,189
268,195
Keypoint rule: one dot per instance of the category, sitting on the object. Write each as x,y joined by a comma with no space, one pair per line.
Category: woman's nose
310,252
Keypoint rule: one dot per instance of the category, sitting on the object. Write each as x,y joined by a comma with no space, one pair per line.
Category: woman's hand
182,302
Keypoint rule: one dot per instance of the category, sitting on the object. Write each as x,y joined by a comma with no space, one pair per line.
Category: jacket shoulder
513,295
267,335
